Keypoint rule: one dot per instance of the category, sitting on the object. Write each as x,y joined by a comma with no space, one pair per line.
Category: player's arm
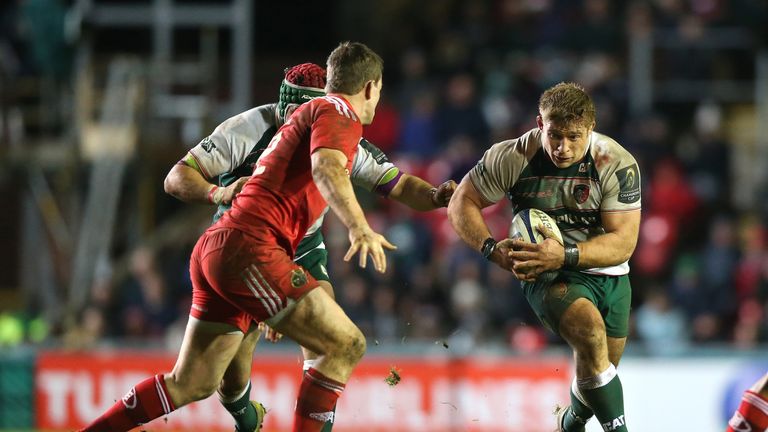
186,182
420,195
464,213
331,179
616,245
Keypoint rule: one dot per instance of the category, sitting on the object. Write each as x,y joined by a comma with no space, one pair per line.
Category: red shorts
237,278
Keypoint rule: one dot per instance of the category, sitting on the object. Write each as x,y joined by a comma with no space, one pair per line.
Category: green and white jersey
606,180
233,148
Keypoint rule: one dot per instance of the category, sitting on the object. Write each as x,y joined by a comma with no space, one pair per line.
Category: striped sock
317,398
142,404
752,414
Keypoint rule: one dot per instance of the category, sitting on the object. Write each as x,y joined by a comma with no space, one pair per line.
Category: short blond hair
567,103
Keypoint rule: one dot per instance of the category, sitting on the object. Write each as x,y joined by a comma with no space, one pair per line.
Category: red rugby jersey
281,193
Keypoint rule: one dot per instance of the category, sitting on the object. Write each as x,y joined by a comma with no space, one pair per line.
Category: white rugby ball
523,227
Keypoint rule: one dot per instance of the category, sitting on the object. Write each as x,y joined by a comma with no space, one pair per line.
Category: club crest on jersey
581,193
298,278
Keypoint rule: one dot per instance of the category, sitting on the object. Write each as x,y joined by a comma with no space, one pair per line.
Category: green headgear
302,83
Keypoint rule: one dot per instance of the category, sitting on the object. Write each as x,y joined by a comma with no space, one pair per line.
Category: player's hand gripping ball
535,226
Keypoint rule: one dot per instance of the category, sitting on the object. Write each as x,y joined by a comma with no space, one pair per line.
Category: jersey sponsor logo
584,166
207,144
129,400
480,167
376,152
629,184
298,278
581,193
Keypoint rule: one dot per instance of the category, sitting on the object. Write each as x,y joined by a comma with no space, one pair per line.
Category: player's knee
355,346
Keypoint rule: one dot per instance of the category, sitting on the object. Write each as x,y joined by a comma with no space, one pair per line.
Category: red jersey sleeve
335,126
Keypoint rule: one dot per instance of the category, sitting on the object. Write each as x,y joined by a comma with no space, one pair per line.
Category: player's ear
369,89
540,122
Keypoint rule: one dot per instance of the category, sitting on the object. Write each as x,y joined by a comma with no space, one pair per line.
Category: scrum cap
302,83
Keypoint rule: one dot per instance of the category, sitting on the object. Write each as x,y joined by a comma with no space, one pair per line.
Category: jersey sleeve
493,175
335,126
621,187
372,170
212,155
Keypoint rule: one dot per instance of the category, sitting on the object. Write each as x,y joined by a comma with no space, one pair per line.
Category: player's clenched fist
443,193
366,242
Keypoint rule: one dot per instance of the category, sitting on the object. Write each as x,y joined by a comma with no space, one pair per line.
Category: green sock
246,418
604,394
577,415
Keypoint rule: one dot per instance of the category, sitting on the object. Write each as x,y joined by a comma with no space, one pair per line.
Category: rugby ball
523,227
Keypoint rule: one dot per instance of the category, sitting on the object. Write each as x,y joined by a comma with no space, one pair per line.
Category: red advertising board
435,394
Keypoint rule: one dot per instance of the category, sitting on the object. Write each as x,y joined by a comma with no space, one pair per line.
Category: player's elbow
171,183
456,209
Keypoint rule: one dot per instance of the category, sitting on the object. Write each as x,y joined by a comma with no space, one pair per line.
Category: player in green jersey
215,170
590,185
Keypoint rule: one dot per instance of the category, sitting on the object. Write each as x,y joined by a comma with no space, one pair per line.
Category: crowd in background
460,76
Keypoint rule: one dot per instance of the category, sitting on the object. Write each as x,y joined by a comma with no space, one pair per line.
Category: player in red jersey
242,267
752,415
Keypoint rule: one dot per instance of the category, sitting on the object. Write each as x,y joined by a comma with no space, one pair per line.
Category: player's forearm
336,188
605,250
187,184
414,192
467,221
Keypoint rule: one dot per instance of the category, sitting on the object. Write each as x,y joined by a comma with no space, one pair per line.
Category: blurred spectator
660,325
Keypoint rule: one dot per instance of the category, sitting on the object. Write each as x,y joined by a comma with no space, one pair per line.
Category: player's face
372,93
565,144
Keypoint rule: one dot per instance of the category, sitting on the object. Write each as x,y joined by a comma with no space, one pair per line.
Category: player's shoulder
607,152
333,105
254,120
522,147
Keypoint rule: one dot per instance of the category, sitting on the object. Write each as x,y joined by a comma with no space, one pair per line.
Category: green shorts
311,255
612,295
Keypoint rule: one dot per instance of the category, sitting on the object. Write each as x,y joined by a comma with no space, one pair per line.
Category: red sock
145,402
317,397
752,414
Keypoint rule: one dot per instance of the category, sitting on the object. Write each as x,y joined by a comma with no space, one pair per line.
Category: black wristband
489,245
571,260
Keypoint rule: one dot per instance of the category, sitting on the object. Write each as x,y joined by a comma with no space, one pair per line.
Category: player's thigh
550,300
318,323
616,349
614,300
238,372
206,352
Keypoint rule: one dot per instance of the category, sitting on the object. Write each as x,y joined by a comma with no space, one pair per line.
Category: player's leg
578,413
204,355
567,306
235,387
752,414
312,255
318,323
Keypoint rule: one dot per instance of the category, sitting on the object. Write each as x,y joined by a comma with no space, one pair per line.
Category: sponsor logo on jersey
629,184
298,278
581,193
207,144
584,166
129,400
